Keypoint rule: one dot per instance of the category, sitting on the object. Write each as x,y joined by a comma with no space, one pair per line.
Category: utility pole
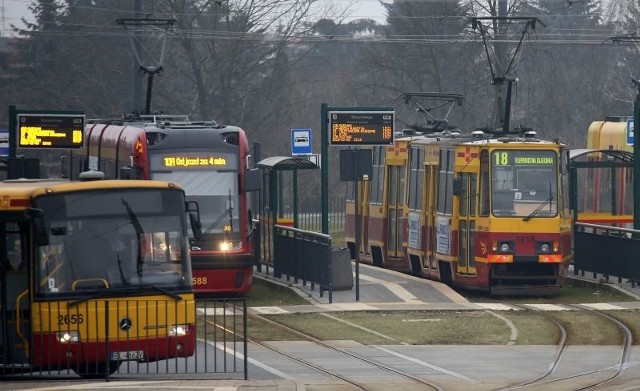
137,80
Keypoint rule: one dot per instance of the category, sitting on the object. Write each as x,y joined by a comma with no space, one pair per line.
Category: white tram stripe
496,306
424,363
602,306
226,349
394,288
548,307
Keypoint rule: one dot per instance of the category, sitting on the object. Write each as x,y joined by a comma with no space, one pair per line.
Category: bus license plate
124,356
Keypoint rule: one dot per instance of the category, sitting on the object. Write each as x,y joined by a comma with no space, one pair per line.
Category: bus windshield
524,183
111,240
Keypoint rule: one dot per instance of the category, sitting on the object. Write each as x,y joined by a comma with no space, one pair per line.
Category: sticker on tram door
126,356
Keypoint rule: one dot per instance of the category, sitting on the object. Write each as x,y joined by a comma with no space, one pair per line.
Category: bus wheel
97,370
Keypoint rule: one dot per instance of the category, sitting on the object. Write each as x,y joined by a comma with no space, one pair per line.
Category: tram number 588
199,281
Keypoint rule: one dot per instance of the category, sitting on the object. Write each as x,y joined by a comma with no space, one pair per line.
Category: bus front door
14,300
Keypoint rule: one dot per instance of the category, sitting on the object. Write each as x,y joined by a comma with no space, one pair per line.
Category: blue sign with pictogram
300,141
630,132
4,142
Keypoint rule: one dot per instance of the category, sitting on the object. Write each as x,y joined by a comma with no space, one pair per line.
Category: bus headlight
178,330
68,336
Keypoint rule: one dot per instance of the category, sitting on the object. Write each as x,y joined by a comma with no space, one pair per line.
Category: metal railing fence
132,338
310,212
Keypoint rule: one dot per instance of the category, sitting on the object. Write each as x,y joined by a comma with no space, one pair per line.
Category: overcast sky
14,10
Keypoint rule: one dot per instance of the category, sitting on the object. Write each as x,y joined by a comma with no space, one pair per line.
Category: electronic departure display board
361,127
50,131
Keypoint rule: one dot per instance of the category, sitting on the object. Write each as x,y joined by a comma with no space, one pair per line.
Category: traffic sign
4,142
300,141
630,129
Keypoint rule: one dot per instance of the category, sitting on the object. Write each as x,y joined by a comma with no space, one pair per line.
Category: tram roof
286,163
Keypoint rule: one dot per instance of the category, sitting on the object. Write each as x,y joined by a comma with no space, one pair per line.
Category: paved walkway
376,289
385,290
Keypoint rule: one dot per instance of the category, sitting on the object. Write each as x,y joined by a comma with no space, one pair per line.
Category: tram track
546,379
331,373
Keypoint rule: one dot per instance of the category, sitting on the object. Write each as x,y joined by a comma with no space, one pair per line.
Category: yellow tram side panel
593,135
395,156
613,135
427,214
151,316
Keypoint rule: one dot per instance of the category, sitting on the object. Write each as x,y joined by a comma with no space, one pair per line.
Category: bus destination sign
361,127
50,131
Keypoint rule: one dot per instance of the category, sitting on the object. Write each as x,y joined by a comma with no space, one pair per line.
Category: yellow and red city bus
94,273
479,212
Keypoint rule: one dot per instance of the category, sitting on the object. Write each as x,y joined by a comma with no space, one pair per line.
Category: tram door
428,240
467,224
395,195
14,298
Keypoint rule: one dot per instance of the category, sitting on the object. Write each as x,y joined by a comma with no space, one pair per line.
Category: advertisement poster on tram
443,236
414,230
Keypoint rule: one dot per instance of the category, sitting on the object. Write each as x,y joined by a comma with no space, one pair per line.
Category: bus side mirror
458,189
39,225
193,211
196,225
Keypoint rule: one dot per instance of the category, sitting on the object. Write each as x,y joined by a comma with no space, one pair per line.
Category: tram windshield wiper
227,212
538,209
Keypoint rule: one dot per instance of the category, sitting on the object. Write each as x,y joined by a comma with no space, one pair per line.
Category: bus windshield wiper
139,231
538,209
162,290
85,299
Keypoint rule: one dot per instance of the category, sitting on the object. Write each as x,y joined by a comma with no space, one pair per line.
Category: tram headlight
178,330
68,337
503,247
547,247
230,246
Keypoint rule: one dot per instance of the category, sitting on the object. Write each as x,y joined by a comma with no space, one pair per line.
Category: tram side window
484,183
445,181
378,175
449,194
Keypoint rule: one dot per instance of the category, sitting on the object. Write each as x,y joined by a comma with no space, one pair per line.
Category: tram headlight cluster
503,247
65,337
178,330
227,245
548,247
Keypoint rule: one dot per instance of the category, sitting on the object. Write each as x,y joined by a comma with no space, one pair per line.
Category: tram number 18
502,158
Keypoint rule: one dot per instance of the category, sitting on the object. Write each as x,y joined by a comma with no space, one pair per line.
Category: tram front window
107,250
215,192
524,183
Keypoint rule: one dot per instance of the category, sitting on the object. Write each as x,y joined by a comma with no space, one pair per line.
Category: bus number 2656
70,319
